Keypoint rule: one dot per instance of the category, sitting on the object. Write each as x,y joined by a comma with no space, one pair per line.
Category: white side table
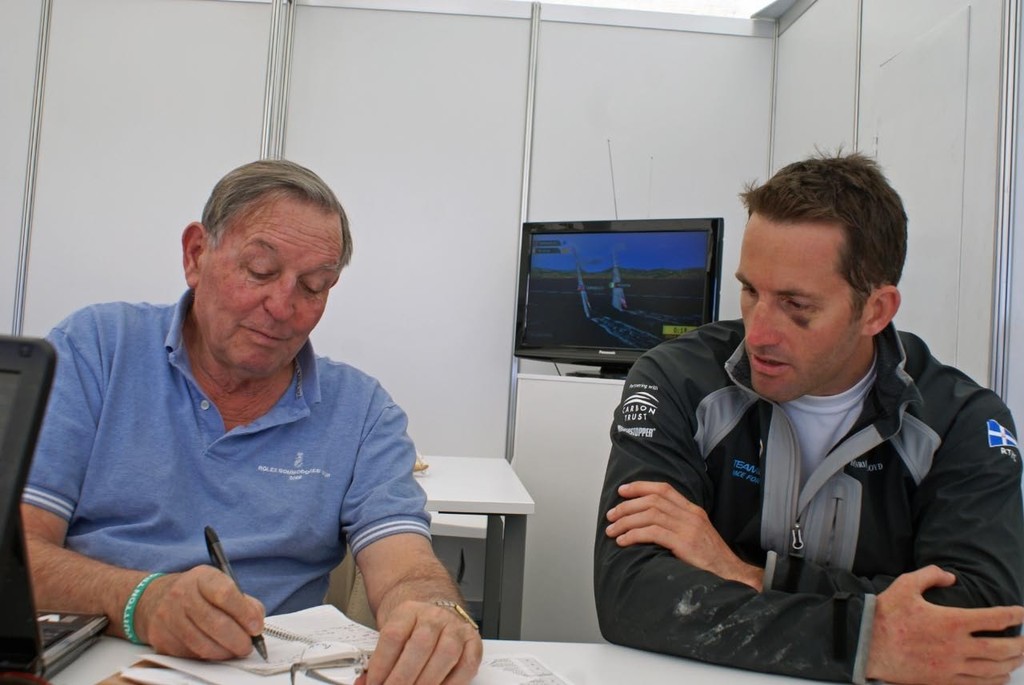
488,486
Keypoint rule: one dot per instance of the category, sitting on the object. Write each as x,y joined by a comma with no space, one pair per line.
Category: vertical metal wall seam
284,79
1007,206
858,47
270,85
28,199
964,152
524,208
773,100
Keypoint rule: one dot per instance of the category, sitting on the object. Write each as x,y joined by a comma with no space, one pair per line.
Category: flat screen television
601,293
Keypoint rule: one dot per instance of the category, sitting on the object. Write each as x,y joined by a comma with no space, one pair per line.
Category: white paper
316,625
325,623
314,635
159,676
516,669
326,633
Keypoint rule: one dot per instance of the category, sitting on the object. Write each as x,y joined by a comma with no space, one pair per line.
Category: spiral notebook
313,635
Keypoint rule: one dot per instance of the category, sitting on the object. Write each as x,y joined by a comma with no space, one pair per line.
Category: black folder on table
30,641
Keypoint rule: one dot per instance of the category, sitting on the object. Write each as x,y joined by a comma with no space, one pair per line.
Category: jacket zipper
796,536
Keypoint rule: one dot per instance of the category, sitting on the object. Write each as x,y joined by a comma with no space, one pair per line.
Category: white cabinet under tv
560,452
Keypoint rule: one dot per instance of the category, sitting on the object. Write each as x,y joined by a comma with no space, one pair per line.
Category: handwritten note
317,635
518,669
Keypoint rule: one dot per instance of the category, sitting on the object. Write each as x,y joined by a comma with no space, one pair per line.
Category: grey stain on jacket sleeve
690,601
743,633
732,631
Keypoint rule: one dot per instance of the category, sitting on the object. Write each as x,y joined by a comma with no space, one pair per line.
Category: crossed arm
201,613
911,640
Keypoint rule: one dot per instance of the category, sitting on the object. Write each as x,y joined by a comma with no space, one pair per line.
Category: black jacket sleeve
648,599
812,619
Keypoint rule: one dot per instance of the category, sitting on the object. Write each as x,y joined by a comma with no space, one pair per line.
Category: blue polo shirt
135,457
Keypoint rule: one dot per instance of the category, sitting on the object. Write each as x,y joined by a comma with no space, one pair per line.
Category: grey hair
251,184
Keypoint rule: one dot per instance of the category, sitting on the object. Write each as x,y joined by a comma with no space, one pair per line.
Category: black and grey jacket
929,474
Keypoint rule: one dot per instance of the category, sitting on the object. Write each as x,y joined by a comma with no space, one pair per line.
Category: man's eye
796,305
313,288
261,275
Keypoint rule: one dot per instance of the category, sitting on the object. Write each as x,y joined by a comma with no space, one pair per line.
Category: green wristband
128,619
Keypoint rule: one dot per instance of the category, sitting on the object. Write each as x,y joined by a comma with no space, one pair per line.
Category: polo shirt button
204,405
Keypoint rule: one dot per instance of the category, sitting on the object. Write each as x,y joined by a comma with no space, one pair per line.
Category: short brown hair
851,191
248,186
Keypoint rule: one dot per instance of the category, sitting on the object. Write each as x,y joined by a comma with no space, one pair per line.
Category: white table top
578,663
605,664
474,485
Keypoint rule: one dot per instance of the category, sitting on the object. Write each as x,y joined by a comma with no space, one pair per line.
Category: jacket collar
893,390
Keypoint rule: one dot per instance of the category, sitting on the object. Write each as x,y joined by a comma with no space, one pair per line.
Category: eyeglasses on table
312,665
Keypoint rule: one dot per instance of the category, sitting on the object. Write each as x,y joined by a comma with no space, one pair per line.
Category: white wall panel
919,136
147,104
929,68
686,116
417,121
19,32
815,87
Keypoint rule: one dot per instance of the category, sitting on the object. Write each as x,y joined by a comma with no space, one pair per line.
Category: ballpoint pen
220,560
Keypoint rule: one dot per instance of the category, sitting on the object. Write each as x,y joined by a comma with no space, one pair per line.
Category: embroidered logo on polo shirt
297,472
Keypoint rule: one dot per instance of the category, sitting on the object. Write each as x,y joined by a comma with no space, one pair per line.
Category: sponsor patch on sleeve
1000,437
637,408
636,431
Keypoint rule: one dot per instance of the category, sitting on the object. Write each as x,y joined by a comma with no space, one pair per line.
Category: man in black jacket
808,491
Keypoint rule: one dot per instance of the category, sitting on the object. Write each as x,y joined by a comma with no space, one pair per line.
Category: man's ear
880,308
193,246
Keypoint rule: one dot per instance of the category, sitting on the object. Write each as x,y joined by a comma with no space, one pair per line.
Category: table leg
493,563
510,624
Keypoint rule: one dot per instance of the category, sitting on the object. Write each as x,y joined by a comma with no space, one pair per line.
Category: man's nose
761,324
279,301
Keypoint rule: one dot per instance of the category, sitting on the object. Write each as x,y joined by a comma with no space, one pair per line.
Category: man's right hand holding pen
199,614
219,559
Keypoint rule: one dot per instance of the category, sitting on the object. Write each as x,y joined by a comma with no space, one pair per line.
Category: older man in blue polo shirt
216,411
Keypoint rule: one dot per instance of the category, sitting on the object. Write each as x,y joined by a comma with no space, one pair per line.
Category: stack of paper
315,635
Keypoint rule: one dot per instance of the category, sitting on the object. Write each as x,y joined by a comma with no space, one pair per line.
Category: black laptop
43,642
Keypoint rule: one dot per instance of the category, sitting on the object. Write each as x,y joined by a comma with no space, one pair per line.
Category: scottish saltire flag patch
999,436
